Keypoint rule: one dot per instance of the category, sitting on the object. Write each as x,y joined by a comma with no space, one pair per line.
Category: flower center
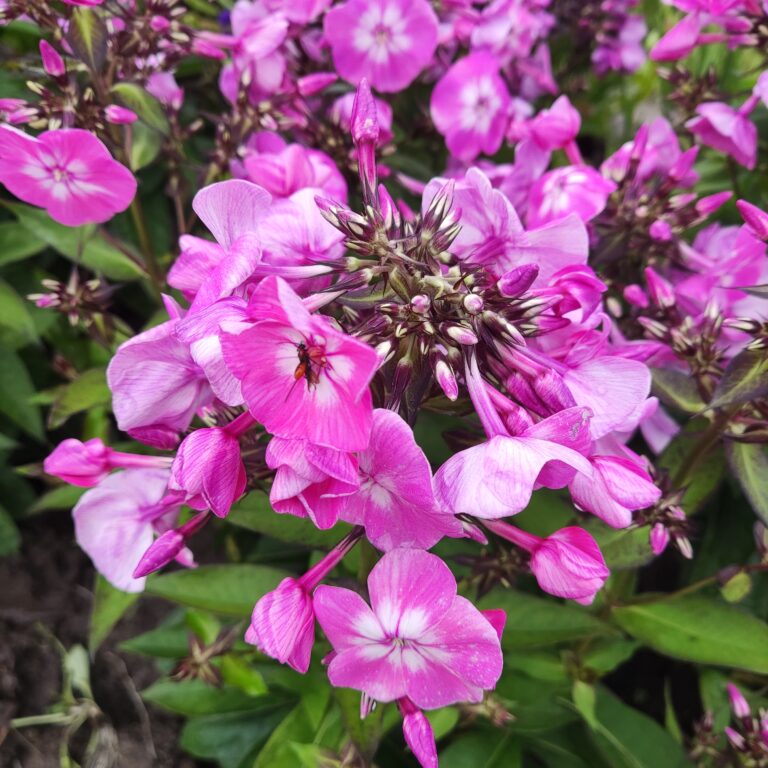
381,34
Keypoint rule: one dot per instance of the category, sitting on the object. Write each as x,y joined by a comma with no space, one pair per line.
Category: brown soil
47,591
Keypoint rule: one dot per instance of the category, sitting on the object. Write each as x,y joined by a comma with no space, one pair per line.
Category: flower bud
660,231
418,734
739,704
473,303
755,218
661,291
82,464
446,379
309,85
420,303
53,64
518,280
659,538
635,295
283,625
120,115
459,333
162,550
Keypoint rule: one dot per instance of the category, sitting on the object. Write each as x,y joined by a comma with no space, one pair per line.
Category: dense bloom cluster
307,334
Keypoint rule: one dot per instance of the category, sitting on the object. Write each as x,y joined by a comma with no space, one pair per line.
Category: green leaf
165,642
537,704
627,738
744,379
146,144
605,655
82,245
10,539
16,389
109,605
232,737
17,243
255,513
193,698
17,327
87,391
236,671
231,590
61,497
707,475
749,464
533,621
87,36
483,749
700,629
146,106
621,548
677,390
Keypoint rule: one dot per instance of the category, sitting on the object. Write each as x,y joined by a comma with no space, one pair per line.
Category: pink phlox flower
389,42
572,189
395,500
618,486
470,105
510,29
202,330
556,127
283,169
661,152
209,469
300,376
492,234
163,86
569,563
156,386
310,480
417,639
115,522
232,211
283,621
418,733
283,625
497,478
727,130
295,233
69,172
613,388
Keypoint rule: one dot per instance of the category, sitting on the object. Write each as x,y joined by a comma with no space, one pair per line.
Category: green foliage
230,590
109,605
700,629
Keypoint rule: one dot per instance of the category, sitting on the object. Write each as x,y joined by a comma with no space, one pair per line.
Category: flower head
68,172
469,106
417,639
301,377
386,41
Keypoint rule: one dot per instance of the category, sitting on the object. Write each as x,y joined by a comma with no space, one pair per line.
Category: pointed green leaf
146,106
744,379
749,464
677,390
82,245
87,391
87,36
17,243
109,605
231,590
16,390
17,328
700,629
